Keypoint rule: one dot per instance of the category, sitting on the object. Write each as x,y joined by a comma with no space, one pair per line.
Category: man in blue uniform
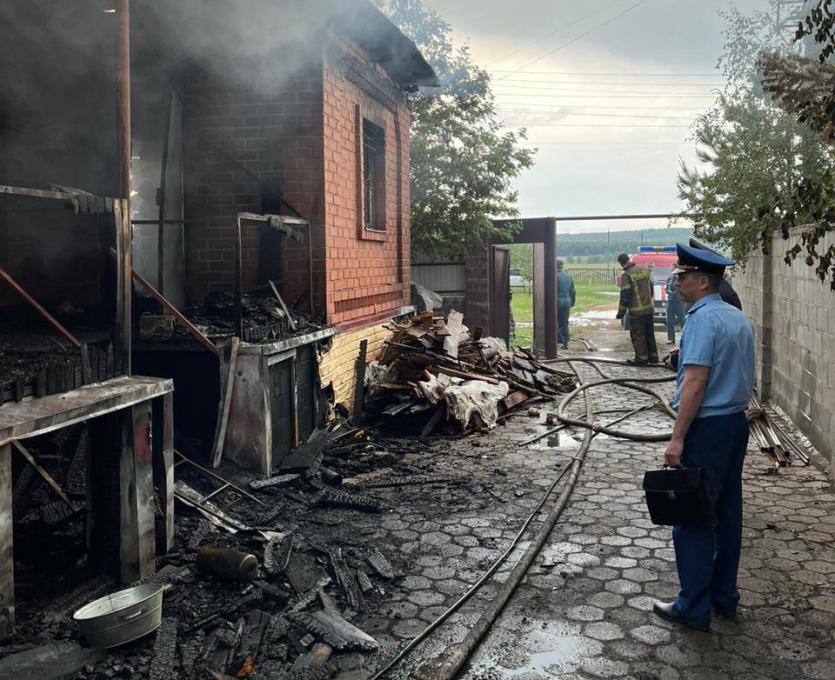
675,309
713,388
566,298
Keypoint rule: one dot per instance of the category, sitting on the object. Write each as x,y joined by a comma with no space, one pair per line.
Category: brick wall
236,138
367,271
794,320
304,137
338,365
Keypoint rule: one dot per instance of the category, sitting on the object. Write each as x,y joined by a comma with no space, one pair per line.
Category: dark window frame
373,180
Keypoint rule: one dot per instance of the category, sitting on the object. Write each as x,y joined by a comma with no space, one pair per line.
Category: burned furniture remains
123,454
83,444
263,400
58,263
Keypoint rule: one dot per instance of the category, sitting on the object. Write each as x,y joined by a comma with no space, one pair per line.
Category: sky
608,91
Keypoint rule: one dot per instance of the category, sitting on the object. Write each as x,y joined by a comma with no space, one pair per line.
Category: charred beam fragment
165,649
345,578
380,564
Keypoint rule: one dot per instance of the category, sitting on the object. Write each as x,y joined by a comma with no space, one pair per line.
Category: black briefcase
678,496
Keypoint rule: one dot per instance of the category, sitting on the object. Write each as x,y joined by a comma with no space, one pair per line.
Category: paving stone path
584,609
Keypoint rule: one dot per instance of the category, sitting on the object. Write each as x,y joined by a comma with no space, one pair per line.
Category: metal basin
121,617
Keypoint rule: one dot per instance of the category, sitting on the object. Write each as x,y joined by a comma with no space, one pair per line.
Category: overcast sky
607,89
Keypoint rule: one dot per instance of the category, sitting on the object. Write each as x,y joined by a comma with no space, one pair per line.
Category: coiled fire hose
457,659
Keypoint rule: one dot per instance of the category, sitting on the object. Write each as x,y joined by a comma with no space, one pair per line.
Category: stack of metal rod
772,438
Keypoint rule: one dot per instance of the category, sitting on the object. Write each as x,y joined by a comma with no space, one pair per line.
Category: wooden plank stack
428,346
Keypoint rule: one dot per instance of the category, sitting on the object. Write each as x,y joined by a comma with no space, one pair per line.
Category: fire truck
660,260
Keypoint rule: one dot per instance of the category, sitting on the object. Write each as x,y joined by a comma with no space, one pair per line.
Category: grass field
589,296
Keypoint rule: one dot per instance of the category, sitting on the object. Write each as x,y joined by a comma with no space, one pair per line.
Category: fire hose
459,656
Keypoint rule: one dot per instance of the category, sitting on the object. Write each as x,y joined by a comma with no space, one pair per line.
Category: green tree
757,155
463,162
805,88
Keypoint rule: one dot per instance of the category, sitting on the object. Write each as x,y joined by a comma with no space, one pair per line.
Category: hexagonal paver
584,559
435,538
426,598
603,631
438,573
466,541
640,575
623,587
408,629
602,574
474,522
632,532
620,562
600,667
584,613
650,635
415,583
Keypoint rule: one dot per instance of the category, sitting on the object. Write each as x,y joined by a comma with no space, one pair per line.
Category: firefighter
566,299
714,385
636,298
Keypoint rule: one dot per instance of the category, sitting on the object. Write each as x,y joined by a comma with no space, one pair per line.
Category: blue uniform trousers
675,315
563,312
708,557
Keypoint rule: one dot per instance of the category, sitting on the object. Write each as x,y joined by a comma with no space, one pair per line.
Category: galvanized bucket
121,617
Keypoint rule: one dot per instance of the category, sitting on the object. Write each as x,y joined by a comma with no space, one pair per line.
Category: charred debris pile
266,574
435,374
265,318
37,361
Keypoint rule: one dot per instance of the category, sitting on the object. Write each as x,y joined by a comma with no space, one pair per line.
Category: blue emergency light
657,249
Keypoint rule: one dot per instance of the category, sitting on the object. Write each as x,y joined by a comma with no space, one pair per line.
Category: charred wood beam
38,308
171,309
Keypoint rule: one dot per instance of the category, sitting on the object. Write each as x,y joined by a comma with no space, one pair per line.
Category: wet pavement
584,609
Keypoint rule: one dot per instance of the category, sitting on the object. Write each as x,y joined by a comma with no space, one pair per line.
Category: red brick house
315,114
237,106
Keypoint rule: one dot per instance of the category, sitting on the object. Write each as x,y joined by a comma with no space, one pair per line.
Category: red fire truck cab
660,260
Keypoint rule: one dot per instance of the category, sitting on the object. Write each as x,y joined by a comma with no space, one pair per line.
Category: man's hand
620,315
672,456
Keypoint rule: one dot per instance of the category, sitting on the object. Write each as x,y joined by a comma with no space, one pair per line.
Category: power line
555,85
579,37
593,95
612,125
561,28
610,73
625,89
618,115
558,109
607,142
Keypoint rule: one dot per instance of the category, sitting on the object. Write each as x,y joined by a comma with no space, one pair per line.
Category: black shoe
637,362
727,615
653,360
667,610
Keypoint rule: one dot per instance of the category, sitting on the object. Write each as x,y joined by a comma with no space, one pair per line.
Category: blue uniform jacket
565,288
719,336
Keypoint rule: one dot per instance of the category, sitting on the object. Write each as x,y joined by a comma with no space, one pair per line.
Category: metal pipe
310,264
161,199
32,301
123,95
239,280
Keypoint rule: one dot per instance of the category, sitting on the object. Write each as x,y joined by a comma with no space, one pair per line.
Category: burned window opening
373,176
